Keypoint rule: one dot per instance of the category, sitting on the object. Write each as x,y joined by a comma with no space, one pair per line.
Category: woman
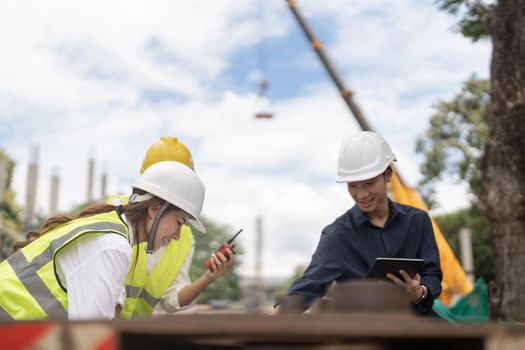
166,286
76,267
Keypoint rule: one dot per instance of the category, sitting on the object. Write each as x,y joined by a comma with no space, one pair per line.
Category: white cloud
107,78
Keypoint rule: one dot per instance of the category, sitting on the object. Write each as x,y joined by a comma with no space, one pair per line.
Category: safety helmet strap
153,230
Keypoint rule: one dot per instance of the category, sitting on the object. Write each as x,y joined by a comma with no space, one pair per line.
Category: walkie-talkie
222,249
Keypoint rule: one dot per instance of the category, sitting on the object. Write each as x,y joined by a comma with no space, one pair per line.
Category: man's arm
431,274
324,268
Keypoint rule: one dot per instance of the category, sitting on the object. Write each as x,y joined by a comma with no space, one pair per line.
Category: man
374,227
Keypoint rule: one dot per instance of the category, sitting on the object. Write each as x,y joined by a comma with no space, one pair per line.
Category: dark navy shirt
350,245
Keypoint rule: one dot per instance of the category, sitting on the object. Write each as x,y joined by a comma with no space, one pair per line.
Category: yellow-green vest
30,288
144,291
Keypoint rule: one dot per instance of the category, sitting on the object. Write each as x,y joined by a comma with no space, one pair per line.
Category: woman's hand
412,286
220,264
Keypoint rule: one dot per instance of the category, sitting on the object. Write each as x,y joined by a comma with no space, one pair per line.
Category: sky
105,79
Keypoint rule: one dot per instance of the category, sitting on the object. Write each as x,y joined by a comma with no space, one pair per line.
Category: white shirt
93,269
170,300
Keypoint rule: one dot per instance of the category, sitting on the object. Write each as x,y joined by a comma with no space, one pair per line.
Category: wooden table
305,331
327,331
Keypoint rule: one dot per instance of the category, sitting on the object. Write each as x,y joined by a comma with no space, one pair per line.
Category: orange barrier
56,335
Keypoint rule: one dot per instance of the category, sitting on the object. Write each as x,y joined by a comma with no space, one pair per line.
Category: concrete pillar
31,189
53,197
103,186
258,248
467,258
91,177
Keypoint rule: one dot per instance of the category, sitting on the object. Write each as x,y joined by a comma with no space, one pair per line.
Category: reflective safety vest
29,285
144,291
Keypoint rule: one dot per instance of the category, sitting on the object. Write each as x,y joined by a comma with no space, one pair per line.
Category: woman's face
169,225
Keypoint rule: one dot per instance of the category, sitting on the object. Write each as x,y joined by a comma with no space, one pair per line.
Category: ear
388,174
152,210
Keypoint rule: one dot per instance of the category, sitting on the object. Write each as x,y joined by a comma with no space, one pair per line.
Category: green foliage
10,210
474,16
456,139
10,223
453,145
226,287
6,242
478,224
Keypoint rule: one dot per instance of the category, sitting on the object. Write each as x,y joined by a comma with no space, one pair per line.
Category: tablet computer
382,266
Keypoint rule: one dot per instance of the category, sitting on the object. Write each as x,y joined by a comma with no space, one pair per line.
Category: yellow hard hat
167,148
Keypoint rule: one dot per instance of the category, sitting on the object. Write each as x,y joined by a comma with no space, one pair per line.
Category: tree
502,194
10,223
473,23
456,139
453,145
478,225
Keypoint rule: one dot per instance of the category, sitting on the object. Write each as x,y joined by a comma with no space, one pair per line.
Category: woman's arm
220,265
182,292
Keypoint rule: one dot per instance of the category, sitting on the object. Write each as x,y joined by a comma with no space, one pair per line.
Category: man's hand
275,311
413,286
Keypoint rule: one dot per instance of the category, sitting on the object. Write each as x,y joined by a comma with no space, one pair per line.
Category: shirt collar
393,210
359,217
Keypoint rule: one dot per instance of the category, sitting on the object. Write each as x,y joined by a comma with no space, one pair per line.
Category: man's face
369,195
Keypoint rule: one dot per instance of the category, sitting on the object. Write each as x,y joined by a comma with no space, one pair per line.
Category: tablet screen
382,266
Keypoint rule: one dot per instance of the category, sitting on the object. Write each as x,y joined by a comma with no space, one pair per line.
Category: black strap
153,230
120,209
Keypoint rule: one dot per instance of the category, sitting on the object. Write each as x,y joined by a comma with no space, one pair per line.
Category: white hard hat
177,184
363,156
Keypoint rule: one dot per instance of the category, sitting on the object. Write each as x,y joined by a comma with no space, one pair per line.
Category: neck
379,216
141,234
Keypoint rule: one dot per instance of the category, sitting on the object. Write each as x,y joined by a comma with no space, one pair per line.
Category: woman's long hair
136,215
